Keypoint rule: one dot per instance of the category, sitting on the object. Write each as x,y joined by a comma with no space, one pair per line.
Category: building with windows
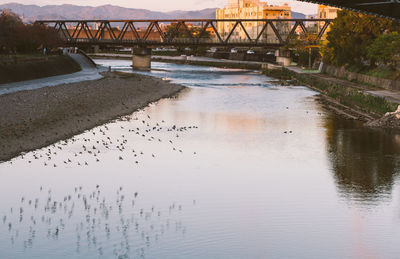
326,12
251,9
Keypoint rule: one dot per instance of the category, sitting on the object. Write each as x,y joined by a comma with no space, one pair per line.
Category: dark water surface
232,184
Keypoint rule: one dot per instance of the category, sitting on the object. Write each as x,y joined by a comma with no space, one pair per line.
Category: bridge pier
96,49
283,57
141,58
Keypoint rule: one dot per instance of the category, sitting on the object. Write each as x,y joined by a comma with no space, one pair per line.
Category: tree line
362,41
18,37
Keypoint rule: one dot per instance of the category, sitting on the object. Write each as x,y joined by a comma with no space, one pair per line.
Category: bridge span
143,35
188,32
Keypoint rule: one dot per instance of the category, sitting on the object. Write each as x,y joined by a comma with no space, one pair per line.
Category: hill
67,11
296,15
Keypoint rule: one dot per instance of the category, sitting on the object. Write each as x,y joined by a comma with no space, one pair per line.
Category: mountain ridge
68,11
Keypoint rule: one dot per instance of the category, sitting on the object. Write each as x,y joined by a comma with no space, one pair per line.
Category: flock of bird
90,219
102,140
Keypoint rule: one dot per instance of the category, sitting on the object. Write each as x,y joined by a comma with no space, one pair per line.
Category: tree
193,31
350,35
10,23
300,45
385,48
15,36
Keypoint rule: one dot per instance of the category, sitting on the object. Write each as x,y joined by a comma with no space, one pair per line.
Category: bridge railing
249,32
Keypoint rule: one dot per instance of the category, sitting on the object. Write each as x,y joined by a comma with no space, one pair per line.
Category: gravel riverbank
33,119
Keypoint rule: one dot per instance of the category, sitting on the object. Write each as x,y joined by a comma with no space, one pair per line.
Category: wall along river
233,167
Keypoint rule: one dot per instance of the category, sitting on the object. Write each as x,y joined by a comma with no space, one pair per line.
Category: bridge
383,8
187,32
144,35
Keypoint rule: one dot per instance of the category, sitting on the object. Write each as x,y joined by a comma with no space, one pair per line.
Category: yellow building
326,12
251,9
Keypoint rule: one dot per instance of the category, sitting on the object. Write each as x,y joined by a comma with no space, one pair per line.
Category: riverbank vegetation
348,96
364,44
19,40
29,51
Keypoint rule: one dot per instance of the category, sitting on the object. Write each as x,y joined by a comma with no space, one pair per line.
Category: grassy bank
385,73
345,95
30,67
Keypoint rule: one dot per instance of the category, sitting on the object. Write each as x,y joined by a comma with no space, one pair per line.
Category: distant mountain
208,13
34,12
67,11
295,15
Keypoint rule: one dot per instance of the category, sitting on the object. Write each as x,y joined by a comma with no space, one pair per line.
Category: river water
233,167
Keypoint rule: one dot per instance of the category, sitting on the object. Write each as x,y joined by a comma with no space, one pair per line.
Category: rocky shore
390,120
33,119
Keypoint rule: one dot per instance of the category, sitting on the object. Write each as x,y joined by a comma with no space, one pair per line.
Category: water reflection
90,221
364,161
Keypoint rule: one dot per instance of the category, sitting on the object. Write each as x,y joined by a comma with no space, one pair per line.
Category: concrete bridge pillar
96,49
283,57
141,58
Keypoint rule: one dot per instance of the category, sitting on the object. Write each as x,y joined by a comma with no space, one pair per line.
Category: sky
165,5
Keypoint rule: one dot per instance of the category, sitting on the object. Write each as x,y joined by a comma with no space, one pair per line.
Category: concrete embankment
37,68
37,118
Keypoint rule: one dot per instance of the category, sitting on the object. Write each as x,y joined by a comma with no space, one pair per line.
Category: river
232,167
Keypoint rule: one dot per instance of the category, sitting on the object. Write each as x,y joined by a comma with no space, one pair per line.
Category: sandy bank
37,118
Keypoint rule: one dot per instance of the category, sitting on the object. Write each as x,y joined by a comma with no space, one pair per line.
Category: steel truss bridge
180,32
384,8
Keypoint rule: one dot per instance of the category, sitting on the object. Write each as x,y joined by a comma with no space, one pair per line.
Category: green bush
385,48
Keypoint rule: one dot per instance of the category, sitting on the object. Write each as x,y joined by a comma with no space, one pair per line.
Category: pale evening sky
165,5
